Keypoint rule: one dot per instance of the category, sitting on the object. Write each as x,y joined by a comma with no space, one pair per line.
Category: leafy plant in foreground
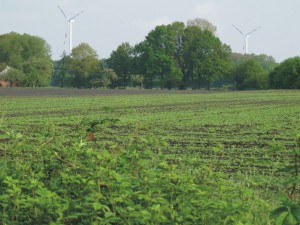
128,183
289,212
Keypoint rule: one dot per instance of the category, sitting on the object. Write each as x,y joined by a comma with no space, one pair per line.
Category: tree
108,76
179,56
29,55
205,57
2,66
286,75
138,79
61,76
83,65
143,61
16,49
176,30
251,75
156,54
203,24
268,63
265,64
121,62
38,72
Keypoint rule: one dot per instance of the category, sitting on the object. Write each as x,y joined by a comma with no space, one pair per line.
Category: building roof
7,68
4,71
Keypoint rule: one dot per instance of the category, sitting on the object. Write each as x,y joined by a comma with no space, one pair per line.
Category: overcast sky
105,24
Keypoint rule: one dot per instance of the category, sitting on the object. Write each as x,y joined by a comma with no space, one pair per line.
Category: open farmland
237,143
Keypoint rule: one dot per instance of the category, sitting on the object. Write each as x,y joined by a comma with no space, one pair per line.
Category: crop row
232,130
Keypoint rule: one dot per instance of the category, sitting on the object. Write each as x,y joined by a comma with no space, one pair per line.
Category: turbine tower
69,28
246,36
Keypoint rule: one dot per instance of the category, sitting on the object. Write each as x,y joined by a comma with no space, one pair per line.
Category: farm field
222,155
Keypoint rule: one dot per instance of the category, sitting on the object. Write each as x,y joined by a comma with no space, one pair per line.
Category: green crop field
149,157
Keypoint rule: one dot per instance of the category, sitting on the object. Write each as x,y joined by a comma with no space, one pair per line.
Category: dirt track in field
85,92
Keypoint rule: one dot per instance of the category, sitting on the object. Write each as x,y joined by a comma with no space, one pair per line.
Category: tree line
174,56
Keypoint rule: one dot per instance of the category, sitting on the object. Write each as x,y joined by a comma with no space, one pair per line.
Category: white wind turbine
246,36
69,28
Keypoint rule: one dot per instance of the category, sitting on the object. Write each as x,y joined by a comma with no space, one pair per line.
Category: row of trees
171,56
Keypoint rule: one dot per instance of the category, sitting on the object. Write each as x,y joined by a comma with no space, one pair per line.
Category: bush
129,183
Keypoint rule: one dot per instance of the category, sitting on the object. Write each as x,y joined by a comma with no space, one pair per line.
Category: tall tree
205,56
29,55
84,65
158,54
143,61
121,62
176,30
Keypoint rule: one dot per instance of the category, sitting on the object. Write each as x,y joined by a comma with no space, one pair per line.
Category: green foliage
158,59
13,75
179,56
286,75
289,212
2,66
157,158
250,75
131,184
121,61
61,75
83,65
108,77
137,80
268,63
29,56
175,56
38,72
17,49
205,56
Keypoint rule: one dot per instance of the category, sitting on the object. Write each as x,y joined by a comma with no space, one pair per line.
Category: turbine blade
76,15
253,30
239,30
63,12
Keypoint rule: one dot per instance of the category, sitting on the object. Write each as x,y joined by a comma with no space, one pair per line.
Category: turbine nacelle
246,36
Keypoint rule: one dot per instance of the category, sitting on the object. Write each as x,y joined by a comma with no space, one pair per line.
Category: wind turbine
69,27
246,36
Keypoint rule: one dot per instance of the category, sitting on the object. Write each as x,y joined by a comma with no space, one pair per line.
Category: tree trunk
209,84
161,82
